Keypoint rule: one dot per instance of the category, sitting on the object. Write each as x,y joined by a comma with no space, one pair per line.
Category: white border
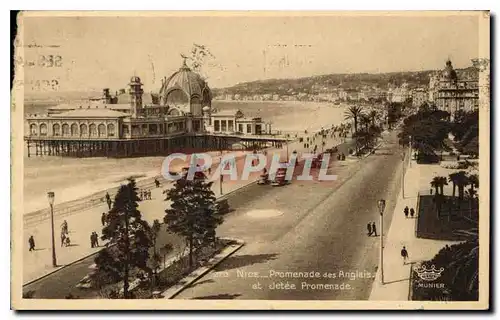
197,5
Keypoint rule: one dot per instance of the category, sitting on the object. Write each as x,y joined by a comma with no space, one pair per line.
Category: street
318,228
63,281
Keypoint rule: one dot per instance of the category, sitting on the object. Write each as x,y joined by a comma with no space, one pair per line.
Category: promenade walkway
402,233
81,224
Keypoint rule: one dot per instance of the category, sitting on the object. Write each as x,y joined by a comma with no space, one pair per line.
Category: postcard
251,160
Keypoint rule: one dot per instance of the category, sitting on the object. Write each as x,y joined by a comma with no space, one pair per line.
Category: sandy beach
73,178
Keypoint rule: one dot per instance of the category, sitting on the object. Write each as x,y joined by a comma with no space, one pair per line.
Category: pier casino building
177,118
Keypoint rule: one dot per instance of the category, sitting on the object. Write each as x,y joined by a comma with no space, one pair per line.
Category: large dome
186,91
449,73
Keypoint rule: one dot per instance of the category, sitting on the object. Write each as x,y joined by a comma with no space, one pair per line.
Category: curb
62,267
200,272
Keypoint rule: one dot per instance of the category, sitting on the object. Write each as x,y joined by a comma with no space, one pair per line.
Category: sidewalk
81,224
402,233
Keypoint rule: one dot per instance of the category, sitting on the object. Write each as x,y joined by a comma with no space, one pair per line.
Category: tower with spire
135,92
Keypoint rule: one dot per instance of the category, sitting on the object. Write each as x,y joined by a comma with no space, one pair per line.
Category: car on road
280,177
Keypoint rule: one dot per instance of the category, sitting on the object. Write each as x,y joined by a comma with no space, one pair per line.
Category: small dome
449,73
135,79
206,109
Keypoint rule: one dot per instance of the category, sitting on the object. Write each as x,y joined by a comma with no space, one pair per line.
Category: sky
98,52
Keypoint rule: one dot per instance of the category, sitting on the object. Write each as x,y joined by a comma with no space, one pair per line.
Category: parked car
280,178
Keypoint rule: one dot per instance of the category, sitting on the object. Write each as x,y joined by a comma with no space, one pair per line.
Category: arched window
111,130
43,129
56,128
83,130
93,130
33,129
65,129
101,130
74,129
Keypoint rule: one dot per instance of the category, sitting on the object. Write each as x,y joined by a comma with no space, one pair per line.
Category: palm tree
365,121
462,181
471,196
474,181
373,115
466,263
354,113
438,184
454,179
435,185
442,182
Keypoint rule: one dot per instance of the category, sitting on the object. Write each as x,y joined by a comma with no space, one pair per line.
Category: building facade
451,91
419,97
178,115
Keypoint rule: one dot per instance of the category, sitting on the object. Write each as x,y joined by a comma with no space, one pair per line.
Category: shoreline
75,178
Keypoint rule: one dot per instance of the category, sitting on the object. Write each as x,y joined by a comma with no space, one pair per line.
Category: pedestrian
63,238
103,218
31,242
412,212
406,211
157,183
109,203
149,194
92,243
404,254
64,227
96,239
374,228
369,228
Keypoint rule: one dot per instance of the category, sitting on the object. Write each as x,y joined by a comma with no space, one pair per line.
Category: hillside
328,83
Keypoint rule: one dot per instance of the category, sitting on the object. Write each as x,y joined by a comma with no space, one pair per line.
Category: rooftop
228,112
90,113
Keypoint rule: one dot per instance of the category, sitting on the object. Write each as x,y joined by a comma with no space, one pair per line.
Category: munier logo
428,274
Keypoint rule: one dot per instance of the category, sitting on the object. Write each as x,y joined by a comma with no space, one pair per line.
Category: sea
73,178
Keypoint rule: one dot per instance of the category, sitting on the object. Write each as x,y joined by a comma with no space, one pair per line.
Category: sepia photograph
334,160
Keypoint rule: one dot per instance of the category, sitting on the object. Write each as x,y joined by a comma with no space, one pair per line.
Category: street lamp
381,208
51,196
409,160
287,150
403,174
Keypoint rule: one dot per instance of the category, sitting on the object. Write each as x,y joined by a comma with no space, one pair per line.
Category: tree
474,181
435,184
438,183
453,178
155,229
373,115
471,195
460,263
192,213
462,180
365,121
128,235
465,263
428,129
354,113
